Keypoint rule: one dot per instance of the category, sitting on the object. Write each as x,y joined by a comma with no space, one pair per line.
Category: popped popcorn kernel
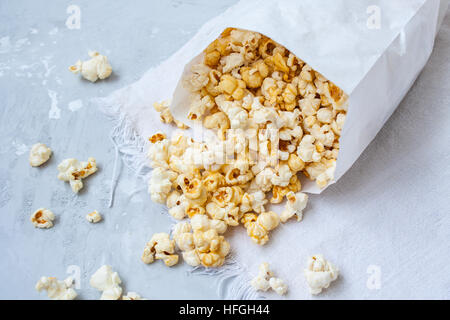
42,218
320,273
39,154
96,68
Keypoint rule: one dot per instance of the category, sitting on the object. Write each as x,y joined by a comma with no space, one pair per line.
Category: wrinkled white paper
374,66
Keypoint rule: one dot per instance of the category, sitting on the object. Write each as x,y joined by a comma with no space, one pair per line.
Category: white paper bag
373,50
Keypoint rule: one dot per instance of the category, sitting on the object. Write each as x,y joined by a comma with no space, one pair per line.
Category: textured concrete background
36,49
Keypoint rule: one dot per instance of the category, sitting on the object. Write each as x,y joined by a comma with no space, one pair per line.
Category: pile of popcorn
274,117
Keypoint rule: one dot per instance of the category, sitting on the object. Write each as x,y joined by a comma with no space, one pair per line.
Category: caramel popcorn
160,247
94,217
74,171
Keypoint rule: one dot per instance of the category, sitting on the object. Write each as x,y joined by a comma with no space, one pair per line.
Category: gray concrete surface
36,49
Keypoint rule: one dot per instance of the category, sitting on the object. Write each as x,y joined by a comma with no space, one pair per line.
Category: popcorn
199,77
229,214
74,171
323,134
283,176
94,217
211,248
261,282
165,114
191,258
325,115
255,231
278,285
232,61
160,247
217,120
307,150
199,106
132,296
201,222
296,203
42,218
263,180
237,115
326,176
158,151
39,154
213,181
295,163
253,202
268,220
176,203
96,68
265,280
320,273
107,281
160,184
57,290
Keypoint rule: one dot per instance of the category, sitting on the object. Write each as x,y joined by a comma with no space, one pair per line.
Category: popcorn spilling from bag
274,116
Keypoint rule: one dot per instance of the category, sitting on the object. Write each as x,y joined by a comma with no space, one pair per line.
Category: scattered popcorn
74,171
265,280
42,218
107,281
296,203
56,289
132,296
94,217
96,68
39,154
160,247
320,273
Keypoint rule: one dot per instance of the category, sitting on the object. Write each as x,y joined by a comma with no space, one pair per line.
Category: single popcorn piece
160,184
42,218
320,273
74,171
107,281
94,217
165,114
56,289
296,203
39,154
132,296
160,247
278,285
265,280
96,68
